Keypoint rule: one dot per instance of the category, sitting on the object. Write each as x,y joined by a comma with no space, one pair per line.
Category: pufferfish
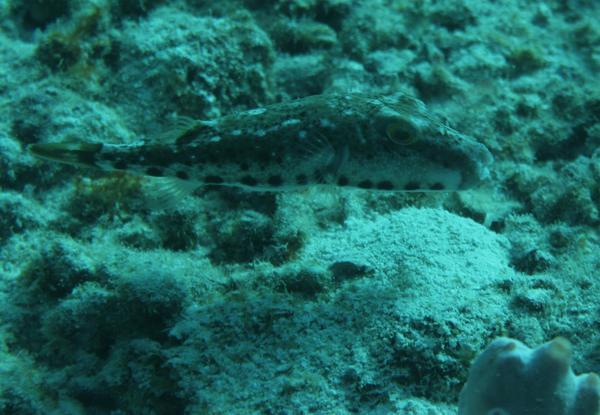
356,140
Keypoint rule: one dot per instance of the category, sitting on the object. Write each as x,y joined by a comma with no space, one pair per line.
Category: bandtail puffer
388,143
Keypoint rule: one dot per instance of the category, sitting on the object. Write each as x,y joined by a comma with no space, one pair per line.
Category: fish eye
401,131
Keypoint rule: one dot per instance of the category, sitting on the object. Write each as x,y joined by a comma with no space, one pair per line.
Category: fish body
388,143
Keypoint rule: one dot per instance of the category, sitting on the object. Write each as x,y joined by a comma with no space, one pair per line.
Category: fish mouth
82,154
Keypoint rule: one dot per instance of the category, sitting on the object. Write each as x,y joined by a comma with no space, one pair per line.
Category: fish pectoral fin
334,163
315,148
325,159
338,161
167,192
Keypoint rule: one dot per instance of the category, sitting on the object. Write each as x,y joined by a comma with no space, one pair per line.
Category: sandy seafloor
302,302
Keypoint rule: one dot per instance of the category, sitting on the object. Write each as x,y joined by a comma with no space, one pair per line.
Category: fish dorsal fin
183,130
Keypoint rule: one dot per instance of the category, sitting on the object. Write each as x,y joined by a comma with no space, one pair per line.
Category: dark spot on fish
343,181
437,186
244,167
412,186
120,165
182,175
248,181
385,185
301,179
213,180
365,184
275,180
154,171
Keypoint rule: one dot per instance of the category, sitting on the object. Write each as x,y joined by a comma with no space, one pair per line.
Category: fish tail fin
81,154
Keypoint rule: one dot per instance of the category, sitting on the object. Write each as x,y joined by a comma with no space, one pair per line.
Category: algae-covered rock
204,62
39,13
